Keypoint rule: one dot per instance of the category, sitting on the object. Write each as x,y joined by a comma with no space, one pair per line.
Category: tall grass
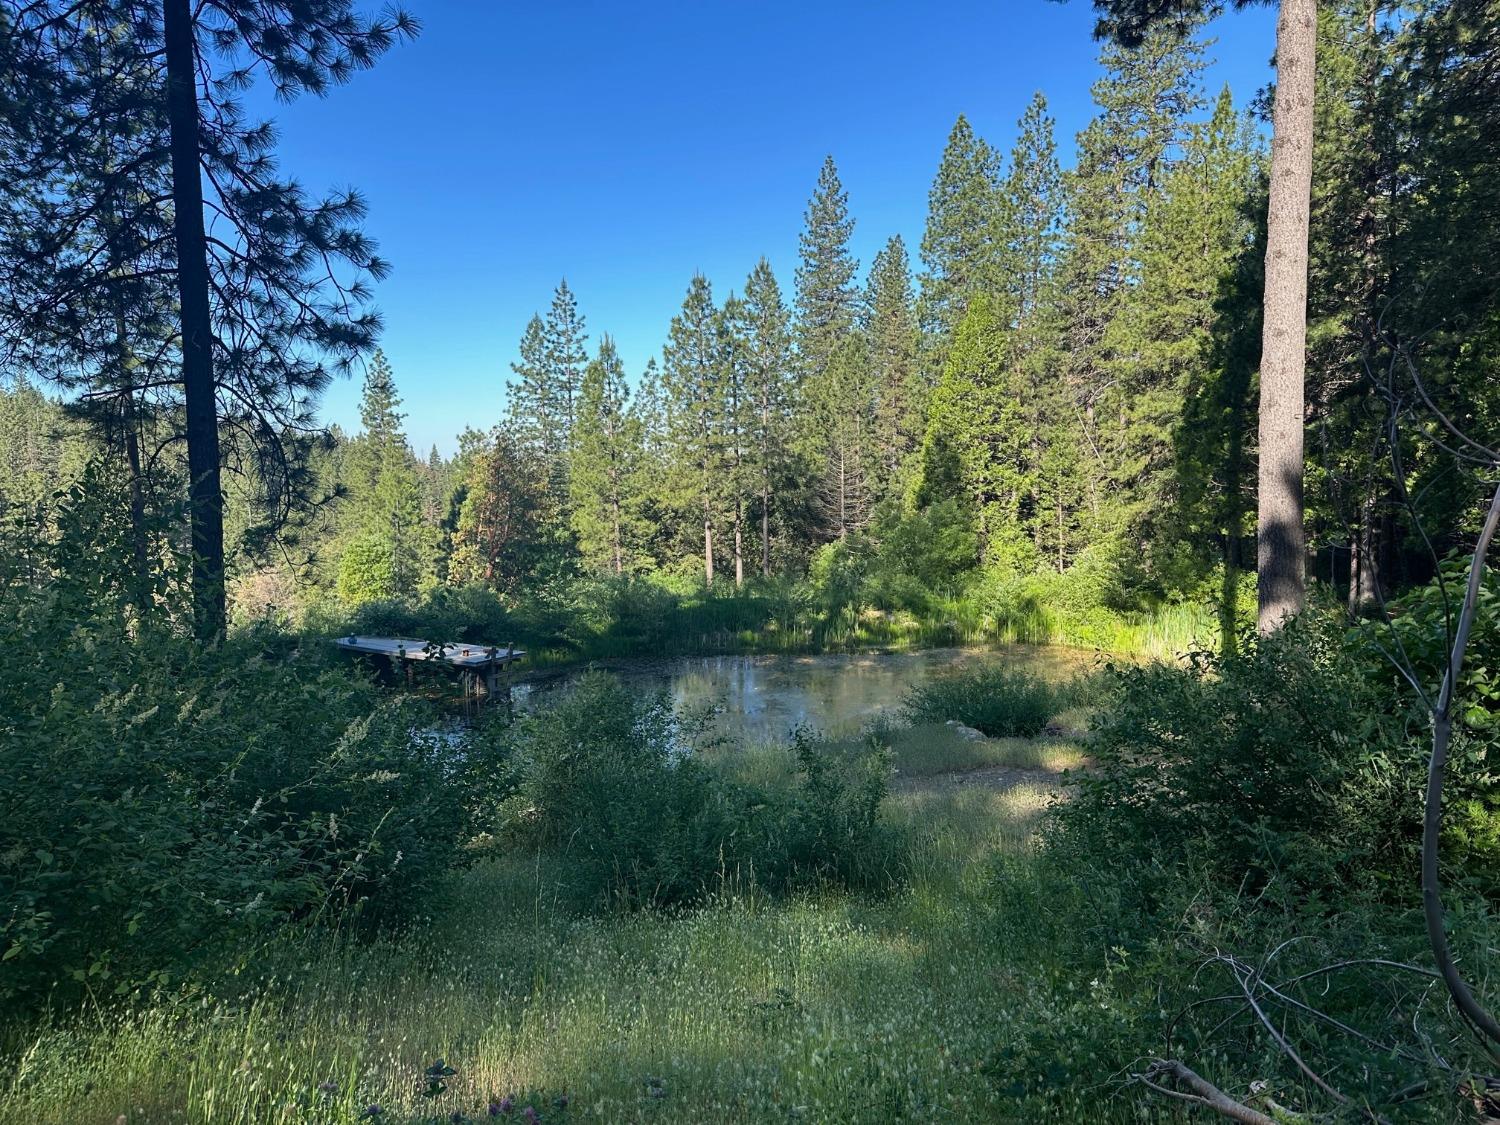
825,1008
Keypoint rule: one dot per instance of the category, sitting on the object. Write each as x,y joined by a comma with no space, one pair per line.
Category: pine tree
1145,98
530,407
827,303
771,391
501,534
1195,232
605,466
978,440
959,252
1280,535
390,546
901,392
565,352
1031,220
270,305
840,404
692,379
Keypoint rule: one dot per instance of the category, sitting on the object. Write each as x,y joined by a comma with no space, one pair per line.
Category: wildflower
531,1114
329,1087
372,1111
562,1102
502,1107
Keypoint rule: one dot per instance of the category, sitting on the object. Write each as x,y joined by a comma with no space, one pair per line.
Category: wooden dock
479,666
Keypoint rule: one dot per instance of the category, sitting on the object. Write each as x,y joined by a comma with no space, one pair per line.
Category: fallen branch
1199,1091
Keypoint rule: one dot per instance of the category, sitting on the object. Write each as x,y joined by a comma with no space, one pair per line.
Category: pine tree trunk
1364,561
201,420
765,531
615,529
1234,531
1280,543
708,546
739,544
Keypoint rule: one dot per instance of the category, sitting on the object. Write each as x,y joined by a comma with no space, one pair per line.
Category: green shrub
163,803
636,822
1266,767
995,700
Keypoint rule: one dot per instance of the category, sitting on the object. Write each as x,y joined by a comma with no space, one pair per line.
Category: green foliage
1419,634
162,804
635,820
1269,769
995,700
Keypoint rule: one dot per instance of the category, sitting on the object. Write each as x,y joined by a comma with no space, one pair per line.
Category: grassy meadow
826,1007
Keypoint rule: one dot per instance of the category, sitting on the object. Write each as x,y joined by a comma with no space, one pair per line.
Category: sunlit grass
828,1007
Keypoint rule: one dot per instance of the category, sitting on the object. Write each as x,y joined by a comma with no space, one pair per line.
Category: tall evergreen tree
1196,230
827,302
840,404
391,544
565,354
531,408
693,383
960,255
605,465
1280,535
1145,99
901,392
771,391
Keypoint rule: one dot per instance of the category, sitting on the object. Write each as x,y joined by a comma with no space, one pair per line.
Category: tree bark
739,545
205,495
1280,545
708,548
765,532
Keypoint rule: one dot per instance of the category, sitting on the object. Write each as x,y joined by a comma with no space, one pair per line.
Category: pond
761,698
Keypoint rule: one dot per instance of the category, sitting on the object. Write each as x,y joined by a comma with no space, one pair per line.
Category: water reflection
758,698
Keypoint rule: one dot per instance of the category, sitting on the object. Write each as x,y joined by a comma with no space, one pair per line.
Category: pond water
761,698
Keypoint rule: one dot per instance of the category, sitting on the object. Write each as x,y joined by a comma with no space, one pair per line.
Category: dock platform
478,665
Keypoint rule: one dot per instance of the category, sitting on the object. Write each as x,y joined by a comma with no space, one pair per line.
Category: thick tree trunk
708,548
1279,533
1364,561
739,544
205,496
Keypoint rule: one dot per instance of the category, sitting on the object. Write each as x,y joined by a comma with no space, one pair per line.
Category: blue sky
626,146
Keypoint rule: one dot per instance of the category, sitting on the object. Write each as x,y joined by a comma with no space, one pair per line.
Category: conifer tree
960,256
531,409
1195,231
978,440
827,302
901,392
1280,534
391,545
565,352
1030,221
604,474
692,381
840,403
270,305
1145,99
771,393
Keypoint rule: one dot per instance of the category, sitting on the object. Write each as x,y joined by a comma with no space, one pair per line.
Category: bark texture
1280,544
201,420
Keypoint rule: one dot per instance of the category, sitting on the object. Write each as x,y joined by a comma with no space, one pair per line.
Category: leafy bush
160,801
995,700
1419,633
1269,766
637,822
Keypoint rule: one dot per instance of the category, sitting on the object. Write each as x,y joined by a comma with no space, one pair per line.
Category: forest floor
829,1007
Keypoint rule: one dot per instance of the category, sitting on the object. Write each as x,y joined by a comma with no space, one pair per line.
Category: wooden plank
413,649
